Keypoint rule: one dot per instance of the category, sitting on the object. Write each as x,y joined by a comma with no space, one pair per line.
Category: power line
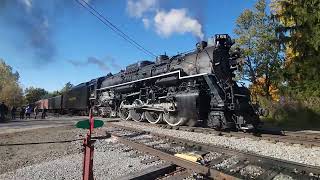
114,28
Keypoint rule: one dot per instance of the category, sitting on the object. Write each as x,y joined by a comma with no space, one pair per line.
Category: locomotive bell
201,45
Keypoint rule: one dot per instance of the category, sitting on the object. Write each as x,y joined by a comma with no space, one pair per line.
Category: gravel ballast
64,161
295,153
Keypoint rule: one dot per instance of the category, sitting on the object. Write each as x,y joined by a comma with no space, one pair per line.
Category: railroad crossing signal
88,145
85,124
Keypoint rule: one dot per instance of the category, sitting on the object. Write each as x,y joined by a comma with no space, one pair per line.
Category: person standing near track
3,111
35,111
28,111
44,113
13,112
22,110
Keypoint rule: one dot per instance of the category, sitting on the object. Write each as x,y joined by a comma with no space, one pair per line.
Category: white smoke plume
167,21
138,7
177,21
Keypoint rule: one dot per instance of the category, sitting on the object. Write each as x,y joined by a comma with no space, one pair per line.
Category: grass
293,114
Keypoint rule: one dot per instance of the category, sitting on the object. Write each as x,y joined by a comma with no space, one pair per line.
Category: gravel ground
282,177
252,171
15,157
64,160
19,125
226,164
211,156
295,153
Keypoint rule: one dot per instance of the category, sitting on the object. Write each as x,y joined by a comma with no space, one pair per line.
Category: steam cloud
138,8
167,21
101,63
34,22
177,20
31,20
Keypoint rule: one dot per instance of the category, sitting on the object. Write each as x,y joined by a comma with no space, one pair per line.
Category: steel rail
215,174
251,156
286,137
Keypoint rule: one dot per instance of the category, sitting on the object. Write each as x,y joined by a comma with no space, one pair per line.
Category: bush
291,113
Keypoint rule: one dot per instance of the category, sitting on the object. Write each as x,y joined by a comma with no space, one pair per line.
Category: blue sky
51,42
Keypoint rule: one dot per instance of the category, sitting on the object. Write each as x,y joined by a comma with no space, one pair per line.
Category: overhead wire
113,27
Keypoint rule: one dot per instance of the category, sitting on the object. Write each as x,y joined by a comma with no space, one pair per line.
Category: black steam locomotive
187,89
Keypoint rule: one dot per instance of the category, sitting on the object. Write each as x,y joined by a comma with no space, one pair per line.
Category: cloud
102,64
33,22
146,22
166,21
176,21
136,8
27,4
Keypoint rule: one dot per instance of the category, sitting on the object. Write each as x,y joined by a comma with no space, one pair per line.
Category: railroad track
217,162
302,138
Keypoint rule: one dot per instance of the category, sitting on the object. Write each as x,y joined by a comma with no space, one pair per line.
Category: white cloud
146,22
27,4
176,21
136,8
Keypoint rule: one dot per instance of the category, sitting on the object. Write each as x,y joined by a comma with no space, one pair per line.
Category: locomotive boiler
187,89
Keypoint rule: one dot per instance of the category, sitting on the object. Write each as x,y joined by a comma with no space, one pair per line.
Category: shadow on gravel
270,131
47,142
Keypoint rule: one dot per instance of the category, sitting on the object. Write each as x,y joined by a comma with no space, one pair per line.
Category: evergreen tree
67,87
299,33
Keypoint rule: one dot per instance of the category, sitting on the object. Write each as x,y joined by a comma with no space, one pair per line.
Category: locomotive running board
153,77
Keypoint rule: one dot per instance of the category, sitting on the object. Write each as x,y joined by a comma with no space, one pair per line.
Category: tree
10,90
55,93
67,87
300,25
34,94
257,38
299,33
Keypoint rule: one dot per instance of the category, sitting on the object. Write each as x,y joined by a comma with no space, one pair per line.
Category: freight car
76,101
42,104
55,104
187,89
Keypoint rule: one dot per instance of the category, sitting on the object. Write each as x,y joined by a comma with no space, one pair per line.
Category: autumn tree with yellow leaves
282,51
299,34
257,38
10,91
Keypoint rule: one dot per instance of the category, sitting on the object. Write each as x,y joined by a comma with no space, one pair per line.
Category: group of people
25,112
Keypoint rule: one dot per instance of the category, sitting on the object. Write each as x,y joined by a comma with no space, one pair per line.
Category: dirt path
25,148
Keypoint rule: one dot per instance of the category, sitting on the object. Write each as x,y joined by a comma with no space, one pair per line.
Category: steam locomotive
194,88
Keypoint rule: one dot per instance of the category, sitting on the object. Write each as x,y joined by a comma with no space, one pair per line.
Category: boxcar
42,104
55,103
